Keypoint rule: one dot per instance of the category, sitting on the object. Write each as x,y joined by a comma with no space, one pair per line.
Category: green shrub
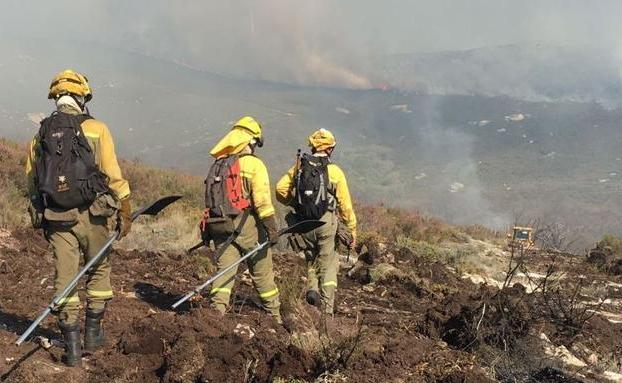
612,242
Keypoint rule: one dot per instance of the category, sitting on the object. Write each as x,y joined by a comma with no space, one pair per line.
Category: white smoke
459,197
346,43
272,40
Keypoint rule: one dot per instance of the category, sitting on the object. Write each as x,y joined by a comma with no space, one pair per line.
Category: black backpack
224,193
66,173
311,187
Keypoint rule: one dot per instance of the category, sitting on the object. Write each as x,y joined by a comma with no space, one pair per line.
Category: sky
320,42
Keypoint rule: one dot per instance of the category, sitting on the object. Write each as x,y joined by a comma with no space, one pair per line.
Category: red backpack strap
235,188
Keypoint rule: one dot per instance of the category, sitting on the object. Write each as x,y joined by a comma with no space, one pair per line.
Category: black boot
73,348
93,332
314,298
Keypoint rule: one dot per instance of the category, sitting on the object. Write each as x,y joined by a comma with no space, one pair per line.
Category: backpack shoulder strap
83,117
332,189
229,156
65,118
76,122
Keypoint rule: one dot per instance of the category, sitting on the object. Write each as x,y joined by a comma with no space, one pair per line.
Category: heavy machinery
521,238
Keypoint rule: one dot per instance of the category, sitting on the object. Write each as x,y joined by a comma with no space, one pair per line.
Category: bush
483,233
392,224
611,242
149,184
430,251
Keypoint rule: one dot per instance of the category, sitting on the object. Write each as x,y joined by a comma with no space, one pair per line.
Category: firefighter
77,194
239,204
317,189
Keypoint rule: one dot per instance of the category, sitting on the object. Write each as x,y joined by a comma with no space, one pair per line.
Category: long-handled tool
195,247
152,209
301,227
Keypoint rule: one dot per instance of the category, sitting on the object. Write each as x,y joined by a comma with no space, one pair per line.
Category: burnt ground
421,323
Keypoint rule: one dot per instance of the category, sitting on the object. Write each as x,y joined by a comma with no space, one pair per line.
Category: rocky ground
400,318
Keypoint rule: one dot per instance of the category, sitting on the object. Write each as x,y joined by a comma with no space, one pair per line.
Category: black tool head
156,207
302,227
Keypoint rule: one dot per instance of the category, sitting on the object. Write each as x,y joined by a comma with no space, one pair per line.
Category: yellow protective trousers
323,261
86,237
260,265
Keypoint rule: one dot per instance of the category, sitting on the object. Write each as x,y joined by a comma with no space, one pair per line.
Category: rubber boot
314,298
93,331
73,348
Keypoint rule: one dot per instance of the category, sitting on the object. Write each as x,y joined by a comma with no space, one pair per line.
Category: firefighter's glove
271,229
352,244
36,214
203,229
346,237
124,218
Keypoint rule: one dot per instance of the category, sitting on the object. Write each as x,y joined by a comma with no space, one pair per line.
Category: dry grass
173,230
483,233
13,186
176,227
149,183
392,223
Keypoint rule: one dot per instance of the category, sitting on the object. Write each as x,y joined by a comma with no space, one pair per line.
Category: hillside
533,72
464,158
421,301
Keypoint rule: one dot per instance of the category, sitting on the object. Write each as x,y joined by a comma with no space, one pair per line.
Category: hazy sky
337,43
319,41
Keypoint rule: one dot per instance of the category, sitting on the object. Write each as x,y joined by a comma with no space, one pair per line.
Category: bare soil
418,326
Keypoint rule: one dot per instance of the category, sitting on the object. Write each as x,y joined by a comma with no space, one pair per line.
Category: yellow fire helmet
250,125
322,139
241,134
70,82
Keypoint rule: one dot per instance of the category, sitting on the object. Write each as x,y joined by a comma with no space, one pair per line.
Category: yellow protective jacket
101,142
257,184
339,184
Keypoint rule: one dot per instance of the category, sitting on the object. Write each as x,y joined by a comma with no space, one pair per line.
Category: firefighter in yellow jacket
77,193
317,189
248,212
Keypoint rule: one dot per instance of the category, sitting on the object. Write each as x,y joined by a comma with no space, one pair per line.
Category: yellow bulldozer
521,238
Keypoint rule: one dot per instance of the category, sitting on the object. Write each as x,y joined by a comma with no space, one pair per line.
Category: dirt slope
413,324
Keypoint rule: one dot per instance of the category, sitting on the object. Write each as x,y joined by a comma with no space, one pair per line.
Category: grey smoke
459,197
539,51
345,43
